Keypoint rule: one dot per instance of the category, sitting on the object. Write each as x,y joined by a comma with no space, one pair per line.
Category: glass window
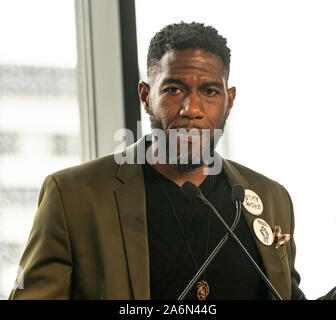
39,114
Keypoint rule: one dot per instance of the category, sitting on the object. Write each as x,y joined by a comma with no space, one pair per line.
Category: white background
38,33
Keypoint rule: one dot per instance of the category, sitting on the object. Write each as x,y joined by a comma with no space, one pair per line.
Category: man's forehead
191,57
195,61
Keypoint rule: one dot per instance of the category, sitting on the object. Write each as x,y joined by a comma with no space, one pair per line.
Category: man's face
189,91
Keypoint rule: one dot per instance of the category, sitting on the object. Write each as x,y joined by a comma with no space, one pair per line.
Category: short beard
190,165
187,167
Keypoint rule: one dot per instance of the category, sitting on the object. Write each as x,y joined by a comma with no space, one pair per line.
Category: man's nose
192,107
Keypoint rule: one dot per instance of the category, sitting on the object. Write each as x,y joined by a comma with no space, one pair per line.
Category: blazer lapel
131,202
275,270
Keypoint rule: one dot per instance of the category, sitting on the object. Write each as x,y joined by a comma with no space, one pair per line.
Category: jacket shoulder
252,176
89,173
260,182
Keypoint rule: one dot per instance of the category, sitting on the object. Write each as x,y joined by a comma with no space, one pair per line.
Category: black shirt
230,275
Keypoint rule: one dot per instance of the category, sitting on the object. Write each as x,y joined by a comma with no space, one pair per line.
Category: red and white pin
252,203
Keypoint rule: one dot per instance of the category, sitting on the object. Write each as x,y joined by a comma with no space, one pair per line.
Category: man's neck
196,176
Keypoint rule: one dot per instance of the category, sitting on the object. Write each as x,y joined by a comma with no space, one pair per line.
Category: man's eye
211,92
173,90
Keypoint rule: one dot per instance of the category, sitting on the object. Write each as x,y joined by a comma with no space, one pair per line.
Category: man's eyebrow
205,84
212,84
171,81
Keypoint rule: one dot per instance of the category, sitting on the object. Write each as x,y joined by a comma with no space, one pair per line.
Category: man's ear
143,91
231,97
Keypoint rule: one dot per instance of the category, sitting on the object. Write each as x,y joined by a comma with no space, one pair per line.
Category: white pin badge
252,203
263,231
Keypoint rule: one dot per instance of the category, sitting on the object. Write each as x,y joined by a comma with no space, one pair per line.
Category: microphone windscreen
190,190
237,193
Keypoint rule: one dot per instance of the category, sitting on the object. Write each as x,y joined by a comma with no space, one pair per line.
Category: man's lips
190,130
185,132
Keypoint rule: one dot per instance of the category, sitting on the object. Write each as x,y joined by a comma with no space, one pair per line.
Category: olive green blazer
89,236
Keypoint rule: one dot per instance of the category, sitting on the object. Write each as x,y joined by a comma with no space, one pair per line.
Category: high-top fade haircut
179,36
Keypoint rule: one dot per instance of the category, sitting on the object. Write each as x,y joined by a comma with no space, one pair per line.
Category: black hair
179,36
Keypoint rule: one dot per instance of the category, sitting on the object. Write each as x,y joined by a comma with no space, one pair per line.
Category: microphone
237,195
192,192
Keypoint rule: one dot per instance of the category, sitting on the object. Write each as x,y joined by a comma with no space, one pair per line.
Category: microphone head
237,193
190,190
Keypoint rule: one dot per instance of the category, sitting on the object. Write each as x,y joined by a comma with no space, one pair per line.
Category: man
109,229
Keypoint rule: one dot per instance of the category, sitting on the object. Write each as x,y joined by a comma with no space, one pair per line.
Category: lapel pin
280,238
252,203
263,231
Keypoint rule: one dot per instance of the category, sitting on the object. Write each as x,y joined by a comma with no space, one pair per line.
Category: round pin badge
263,231
252,203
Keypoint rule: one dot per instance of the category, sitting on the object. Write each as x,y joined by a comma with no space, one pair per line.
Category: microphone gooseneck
192,192
237,195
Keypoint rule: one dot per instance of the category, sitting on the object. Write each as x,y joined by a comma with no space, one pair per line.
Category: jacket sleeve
297,294
46,263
